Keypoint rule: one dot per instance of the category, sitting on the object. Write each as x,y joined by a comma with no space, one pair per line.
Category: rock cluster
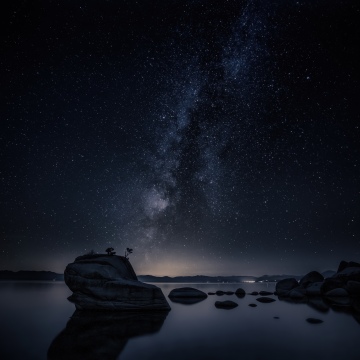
344,283
108,282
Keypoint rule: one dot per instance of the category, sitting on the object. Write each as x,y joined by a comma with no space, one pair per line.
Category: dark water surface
36,324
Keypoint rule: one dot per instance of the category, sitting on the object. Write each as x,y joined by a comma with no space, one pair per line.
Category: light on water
35,323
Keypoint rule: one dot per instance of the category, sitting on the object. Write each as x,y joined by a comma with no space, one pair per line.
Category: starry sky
212,137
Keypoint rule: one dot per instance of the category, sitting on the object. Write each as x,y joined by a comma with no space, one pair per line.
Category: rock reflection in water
102,335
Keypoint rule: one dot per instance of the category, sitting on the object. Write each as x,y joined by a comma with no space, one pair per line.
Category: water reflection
345,305
102,335
186,301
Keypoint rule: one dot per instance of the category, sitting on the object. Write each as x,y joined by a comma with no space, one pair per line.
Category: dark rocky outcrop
105,282
228,304
340,292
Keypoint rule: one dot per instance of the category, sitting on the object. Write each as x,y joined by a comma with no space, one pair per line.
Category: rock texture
108,282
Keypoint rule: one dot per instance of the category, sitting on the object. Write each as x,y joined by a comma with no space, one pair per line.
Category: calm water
34,325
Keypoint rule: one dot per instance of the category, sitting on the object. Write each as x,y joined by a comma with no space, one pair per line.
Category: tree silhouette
110,251
128,251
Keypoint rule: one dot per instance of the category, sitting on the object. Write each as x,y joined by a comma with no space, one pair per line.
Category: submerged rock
265,299
228,304
252,305
108,282
314,321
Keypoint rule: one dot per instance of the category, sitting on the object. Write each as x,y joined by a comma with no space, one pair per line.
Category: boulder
330,284
226,304
265,300
343,265
311,277
284,286
339,292
314,289
353,287
108,282
349,273
187,295
240,293
297,293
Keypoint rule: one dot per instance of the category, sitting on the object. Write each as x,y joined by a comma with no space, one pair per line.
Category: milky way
211,139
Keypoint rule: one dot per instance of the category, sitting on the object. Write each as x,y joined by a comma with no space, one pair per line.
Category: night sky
212,137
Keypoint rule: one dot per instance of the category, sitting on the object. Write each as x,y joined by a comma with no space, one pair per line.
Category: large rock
311,277
297,293
344,264
187,295
108,282
314,289
330,284
283,287
240,293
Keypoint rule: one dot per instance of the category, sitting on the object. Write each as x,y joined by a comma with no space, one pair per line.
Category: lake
34,325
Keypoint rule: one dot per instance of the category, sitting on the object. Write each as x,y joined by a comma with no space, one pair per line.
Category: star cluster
211,138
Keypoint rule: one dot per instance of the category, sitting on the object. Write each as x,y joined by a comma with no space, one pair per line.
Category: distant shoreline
6,275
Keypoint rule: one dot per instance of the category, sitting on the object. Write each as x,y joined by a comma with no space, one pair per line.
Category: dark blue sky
212,138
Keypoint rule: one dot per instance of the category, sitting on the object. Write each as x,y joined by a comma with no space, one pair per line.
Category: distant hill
30,275
199,279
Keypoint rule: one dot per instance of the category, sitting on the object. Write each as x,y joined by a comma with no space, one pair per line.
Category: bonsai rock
103,282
